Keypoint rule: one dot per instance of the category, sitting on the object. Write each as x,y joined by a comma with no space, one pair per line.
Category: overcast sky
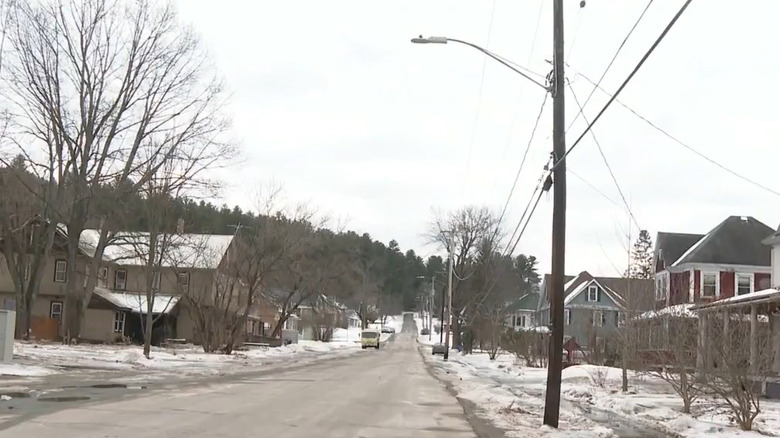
333,101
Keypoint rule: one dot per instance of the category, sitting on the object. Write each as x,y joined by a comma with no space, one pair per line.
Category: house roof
738,240
195,251
528,301
137,303
670,246
641,290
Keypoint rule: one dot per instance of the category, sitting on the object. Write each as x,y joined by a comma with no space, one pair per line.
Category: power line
541,187
536,32
612,61
680,142
595,189
625,82
479,102
522,162
533,209
604,158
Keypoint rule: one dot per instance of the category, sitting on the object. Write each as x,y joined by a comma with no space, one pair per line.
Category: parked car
387,329
438,349
425,331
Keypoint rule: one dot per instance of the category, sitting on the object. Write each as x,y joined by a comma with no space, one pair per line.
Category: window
662,286
567,316
119,322
521,321
102,279
598,318
744,284
156,281
55,311
60,271
9,304
709,284
184,280
514,320
120,279
621,318
593,293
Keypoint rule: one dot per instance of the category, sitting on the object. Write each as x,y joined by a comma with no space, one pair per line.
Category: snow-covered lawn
512,396
48,358
423,339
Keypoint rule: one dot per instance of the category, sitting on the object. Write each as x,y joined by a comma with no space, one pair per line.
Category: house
594,307
731,259
319,316
48,308
187,266
521,314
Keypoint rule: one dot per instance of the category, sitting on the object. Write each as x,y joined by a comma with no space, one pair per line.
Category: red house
729,260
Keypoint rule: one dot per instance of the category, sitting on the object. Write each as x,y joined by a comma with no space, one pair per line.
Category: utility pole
449,307
441,321
553,397
430,307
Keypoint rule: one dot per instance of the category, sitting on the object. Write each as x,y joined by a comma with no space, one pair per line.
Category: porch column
753,338
726,337
774,324
701,349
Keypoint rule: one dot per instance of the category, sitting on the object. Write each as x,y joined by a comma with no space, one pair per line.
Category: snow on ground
18,370
423,339
48,358
592,402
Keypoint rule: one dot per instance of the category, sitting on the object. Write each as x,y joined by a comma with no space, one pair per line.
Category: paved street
385,393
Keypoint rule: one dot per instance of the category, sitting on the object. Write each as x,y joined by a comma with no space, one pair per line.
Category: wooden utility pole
449,305
553,396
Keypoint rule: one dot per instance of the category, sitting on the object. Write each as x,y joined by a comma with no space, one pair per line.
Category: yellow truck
369,338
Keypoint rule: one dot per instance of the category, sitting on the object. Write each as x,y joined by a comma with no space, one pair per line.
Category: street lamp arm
499,59
445,40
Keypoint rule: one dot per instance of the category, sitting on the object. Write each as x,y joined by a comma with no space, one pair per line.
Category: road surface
384,393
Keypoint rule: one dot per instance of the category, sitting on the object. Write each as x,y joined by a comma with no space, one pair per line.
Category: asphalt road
376,393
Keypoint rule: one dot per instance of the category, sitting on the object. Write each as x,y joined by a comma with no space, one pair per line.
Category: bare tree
103,94
737,361
463,233
668,346
27,238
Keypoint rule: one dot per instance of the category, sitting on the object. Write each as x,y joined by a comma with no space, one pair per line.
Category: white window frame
621,318
661,285
185,285
717,283
56,305
116,279
751,278
593,287
566,317
521,320
119,320
598,318
60,271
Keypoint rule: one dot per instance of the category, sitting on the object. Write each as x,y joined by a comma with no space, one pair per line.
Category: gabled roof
194,251
641,290
670,246
738,240
137,303
528,301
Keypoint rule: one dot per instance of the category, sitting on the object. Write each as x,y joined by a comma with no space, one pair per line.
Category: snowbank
49,358
590,393
19,370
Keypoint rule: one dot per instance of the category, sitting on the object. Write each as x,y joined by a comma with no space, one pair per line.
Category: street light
445,40
430,304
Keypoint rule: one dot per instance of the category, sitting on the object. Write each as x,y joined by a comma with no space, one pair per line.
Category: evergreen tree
642,257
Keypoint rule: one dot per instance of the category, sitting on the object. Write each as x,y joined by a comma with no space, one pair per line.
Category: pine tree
642,257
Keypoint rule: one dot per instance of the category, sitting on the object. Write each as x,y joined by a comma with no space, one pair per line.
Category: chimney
180,226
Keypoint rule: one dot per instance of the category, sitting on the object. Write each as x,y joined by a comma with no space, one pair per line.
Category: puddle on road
63,399
109,385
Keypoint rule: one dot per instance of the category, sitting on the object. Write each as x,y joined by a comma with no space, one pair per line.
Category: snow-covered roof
137,303
537,329
761,295
678,311
195,251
